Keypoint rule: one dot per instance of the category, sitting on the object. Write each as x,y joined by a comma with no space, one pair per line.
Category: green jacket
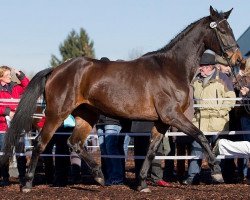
214,116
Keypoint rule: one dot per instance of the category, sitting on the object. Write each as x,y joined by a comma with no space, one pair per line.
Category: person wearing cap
222,65
210,83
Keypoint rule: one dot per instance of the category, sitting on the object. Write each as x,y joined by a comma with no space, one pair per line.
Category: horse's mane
179,36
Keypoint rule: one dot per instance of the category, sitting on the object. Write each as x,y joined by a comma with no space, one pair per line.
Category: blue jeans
111,144
195,165
245,126
125,145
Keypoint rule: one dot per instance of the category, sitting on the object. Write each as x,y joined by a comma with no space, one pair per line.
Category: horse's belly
137,111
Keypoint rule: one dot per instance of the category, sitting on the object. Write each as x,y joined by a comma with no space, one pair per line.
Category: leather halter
224,50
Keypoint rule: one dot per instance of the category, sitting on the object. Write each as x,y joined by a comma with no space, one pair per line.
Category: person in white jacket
230,148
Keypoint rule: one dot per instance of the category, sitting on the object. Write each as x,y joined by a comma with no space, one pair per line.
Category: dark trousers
57,172
21,163
5,172
141,143
140,149
169,164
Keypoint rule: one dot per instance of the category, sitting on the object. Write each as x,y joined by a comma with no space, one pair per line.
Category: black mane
177,38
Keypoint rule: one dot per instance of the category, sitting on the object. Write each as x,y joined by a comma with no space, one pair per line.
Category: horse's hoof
217,178
25,189
147,190
100,181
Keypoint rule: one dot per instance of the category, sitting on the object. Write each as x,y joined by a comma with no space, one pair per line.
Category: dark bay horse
154,87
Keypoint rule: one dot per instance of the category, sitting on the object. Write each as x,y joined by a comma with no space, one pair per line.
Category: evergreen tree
74,45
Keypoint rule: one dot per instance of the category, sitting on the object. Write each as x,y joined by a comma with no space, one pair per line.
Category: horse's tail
22,119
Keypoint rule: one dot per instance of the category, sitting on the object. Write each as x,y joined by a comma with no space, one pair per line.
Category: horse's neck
189,48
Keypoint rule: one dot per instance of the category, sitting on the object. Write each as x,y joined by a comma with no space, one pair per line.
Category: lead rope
245,100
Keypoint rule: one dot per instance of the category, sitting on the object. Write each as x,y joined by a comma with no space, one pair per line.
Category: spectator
11,90
228,166
223,66
111,143
229,148
244,113
214,116
141,143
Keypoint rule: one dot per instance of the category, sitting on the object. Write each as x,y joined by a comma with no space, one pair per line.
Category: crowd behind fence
92,140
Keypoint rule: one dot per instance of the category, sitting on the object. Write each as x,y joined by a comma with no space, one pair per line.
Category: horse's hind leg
84,125
157,134
40,143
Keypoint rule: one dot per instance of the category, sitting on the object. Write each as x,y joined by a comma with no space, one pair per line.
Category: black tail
22,119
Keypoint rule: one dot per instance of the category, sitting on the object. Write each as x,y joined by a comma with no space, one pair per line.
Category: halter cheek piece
224,48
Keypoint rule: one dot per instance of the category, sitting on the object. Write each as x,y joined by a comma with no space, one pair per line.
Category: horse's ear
226,14
213,13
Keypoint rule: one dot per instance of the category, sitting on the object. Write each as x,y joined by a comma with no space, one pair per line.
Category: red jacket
12,91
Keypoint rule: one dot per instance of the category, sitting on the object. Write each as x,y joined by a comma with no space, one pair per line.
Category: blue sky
31,30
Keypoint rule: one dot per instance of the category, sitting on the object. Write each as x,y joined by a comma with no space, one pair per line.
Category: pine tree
74,45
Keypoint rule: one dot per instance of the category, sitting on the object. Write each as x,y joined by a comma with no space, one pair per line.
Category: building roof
244,43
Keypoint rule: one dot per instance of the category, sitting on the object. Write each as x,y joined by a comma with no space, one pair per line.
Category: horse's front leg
154,145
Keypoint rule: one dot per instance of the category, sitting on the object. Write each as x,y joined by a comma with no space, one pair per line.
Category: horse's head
220,37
